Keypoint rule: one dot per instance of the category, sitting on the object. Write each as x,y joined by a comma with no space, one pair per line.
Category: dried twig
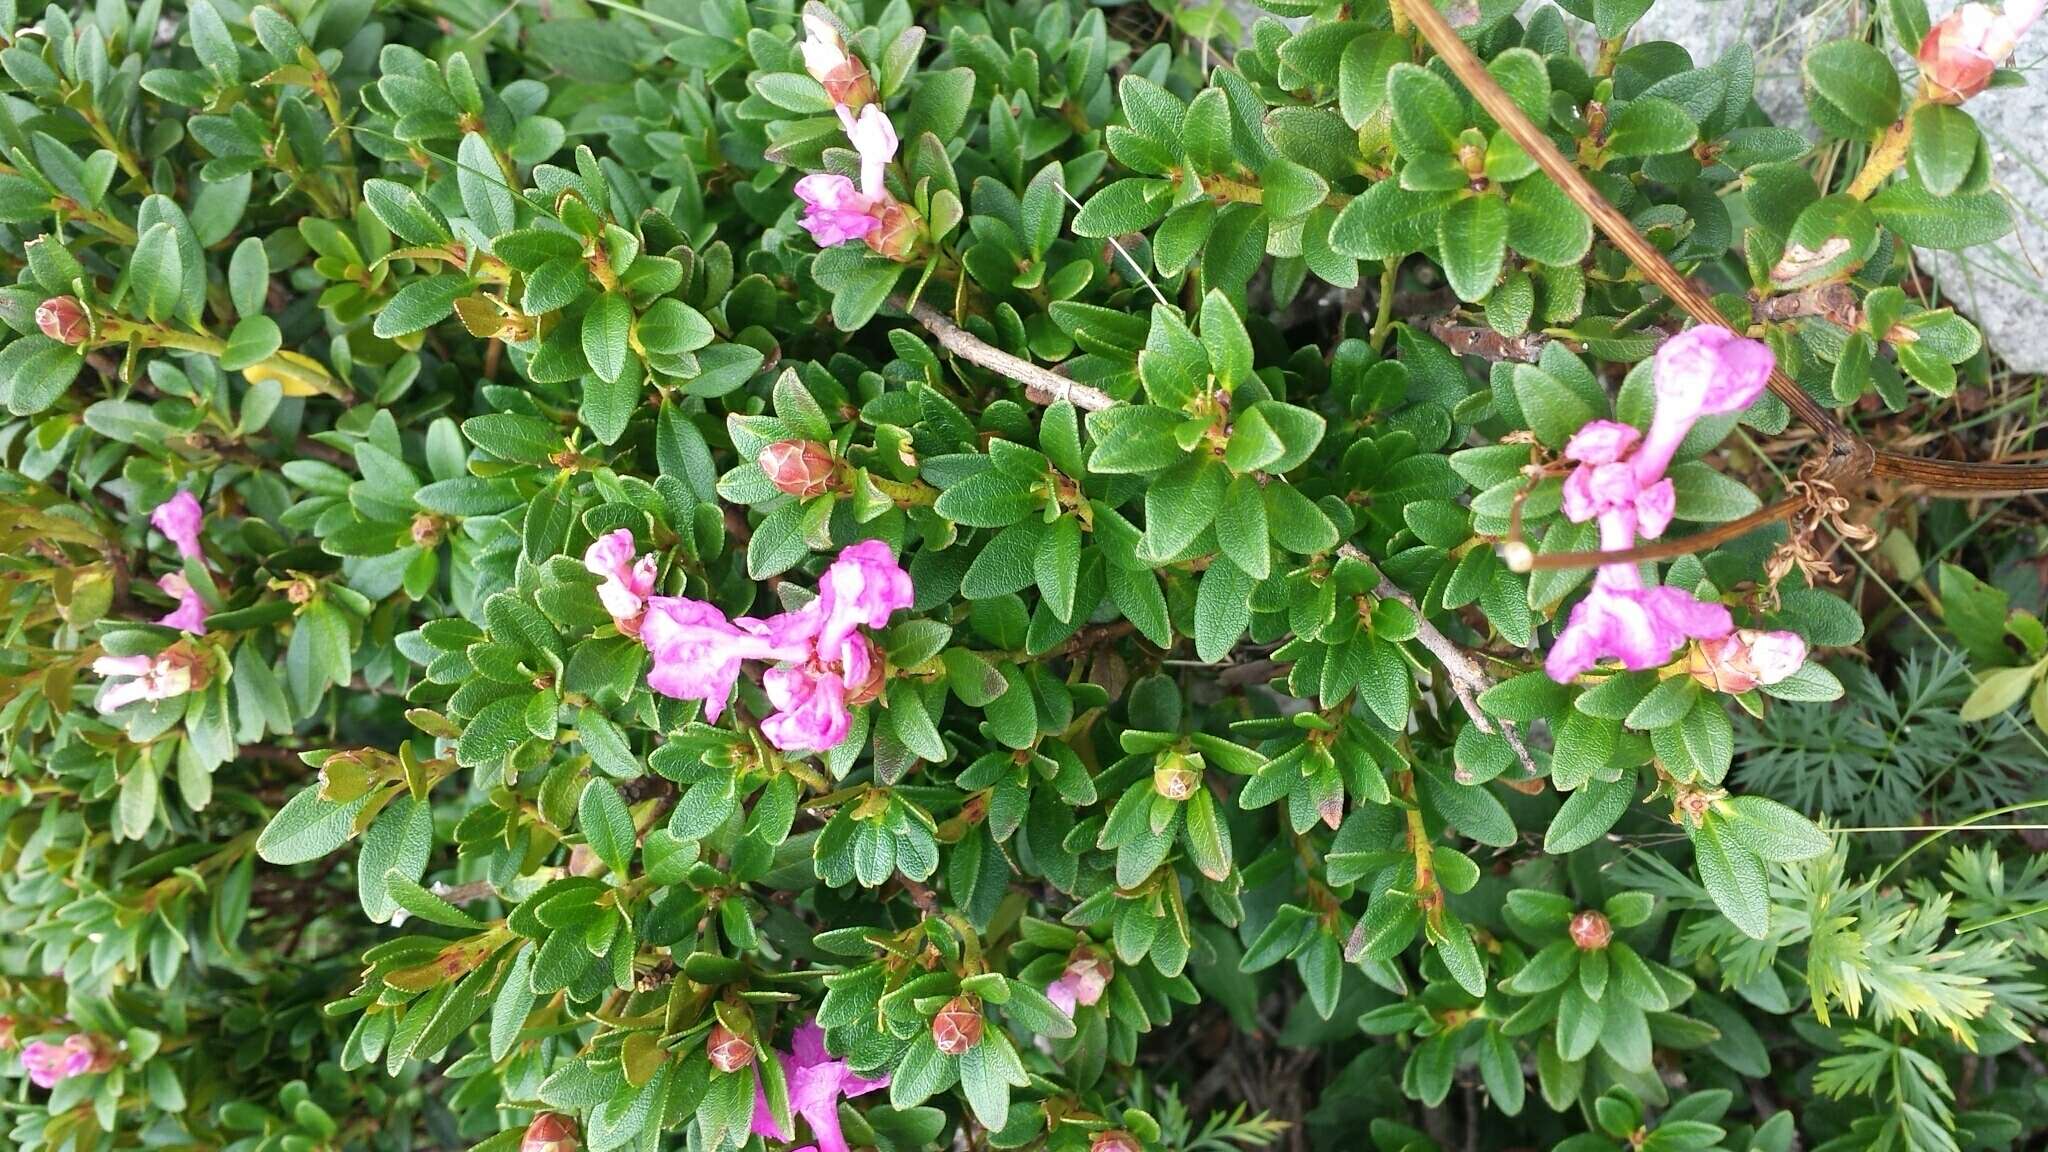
1485,343
1468,681
1042,385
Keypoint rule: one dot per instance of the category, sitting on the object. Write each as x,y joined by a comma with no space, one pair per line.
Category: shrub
722,576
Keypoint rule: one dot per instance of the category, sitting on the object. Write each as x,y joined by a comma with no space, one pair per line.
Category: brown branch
1487,344
1041,385
1520,558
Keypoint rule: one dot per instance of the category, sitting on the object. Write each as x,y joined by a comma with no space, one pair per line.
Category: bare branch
1041,385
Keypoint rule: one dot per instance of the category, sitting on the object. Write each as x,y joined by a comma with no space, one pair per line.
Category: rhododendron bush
1092,577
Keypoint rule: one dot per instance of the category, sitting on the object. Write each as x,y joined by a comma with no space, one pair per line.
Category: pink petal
1601,442
179,519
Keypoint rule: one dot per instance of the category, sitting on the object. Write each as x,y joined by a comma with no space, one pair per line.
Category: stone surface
2002,286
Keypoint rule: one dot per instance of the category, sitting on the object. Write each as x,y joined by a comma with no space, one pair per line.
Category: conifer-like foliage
1005,574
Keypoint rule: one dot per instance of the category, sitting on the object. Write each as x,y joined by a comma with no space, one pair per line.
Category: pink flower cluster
816,1084
822,661
836,210
169,673
49,1065
1620,482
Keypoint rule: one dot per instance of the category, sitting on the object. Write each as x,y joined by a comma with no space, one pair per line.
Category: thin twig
1468,681
1041,385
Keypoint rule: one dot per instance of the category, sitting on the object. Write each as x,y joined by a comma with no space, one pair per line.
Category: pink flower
697,651
1082,984
50,1064
627,581
810,705
1640,627
874,138
864,586
190,614
1601,442
834,210
1702,371
1746,658
817,1082
163,676
179,519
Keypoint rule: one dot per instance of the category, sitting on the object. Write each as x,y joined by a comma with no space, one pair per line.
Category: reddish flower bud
7,1037
1953,63
1959,54
63,319
550,1132
426,529
1114,1140
1746,658
802,468
849,84
1591,931
899,233
729,1051
957,1027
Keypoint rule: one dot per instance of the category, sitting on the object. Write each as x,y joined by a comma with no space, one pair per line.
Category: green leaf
1952,223
1587,814
156,272
1222,609
34,371
254,340
420,304
1427,114
1998,690
1126,206
607,826
485,196
1224,338
1943,147
1651,126
406,213
1735,880
1856,79
607,327
1772,831
1472,235
1552,409
1180,505
309,827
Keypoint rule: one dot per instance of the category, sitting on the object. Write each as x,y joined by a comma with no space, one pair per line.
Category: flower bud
845,78
957,1027
1591,931
1954,62
729,1051
1746,658
550,1132
7,1037
802,468
426,530
1175,778
1114,1140
899,232
63,319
